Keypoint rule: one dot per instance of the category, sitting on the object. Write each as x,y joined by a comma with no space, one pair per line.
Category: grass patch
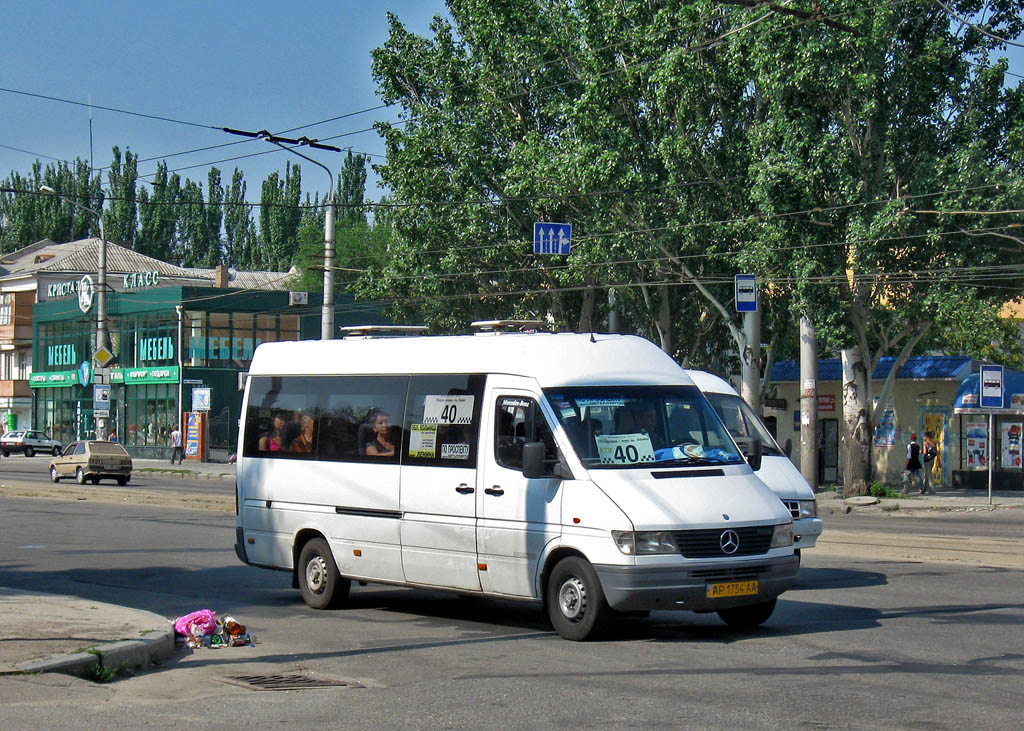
890,507
99,674
163,471
881,490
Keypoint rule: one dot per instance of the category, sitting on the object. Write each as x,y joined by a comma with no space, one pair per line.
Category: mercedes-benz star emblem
729,541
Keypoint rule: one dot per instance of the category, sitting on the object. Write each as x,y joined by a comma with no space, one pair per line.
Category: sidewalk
49,633
830,503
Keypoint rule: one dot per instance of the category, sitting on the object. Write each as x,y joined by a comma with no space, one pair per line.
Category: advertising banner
1011,446
977,444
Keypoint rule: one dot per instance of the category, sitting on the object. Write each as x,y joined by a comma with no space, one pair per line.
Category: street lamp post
101,286
327,314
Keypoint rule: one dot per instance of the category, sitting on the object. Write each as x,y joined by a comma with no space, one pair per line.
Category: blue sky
249,65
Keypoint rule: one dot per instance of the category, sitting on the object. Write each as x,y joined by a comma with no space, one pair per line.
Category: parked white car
28,442
777,471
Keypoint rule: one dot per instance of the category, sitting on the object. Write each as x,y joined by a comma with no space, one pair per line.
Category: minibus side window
519,420
322,417
442,420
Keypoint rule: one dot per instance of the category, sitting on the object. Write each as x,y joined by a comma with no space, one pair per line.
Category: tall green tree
238,225
280,218
28,215
352,190
120,218
158,215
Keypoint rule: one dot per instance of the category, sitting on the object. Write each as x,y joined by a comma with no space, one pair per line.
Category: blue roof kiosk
1008,421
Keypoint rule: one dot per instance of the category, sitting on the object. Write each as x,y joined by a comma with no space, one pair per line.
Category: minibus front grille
793,506
747,573
707,543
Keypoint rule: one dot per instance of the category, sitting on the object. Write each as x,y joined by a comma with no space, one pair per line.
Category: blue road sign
746,293
552,238
991,384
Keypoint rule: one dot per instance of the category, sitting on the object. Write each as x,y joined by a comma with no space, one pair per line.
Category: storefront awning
967,401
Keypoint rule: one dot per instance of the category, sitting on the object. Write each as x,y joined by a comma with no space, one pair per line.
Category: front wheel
54,477
576,605
56,451
29,452
321,585
748,617
80,476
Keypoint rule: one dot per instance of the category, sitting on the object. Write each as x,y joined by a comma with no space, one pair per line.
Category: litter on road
202,628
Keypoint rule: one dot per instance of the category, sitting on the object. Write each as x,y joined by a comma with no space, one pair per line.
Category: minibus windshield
641,426
741,421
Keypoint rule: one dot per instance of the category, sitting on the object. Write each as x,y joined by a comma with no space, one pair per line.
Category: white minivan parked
777,471
583,472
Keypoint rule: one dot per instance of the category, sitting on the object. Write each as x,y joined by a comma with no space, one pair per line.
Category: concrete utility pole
327,312
750,366
809,403
102,341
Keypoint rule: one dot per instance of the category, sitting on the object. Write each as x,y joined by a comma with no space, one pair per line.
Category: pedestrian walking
913,465
176,450
928,454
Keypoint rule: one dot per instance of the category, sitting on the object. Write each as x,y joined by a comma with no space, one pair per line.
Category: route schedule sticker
423,440
448,409
624,448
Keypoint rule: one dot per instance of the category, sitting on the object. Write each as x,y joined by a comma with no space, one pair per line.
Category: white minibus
585,472
777,471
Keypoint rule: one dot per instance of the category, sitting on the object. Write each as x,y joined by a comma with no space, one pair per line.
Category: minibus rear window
640,426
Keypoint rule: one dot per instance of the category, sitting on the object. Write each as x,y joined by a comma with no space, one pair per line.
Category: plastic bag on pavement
203,620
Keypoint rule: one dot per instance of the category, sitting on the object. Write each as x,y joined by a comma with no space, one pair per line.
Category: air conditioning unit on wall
298,298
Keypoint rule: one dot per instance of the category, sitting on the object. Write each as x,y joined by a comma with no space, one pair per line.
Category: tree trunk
664,321
857,420
586,323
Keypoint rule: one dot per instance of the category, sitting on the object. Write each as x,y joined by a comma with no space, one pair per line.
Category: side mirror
754,455
533,460
534,464
788,448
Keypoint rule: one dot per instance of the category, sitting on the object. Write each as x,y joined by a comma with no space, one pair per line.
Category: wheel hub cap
316,574
572,599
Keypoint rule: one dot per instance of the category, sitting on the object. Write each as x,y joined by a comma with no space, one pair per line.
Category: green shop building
166,341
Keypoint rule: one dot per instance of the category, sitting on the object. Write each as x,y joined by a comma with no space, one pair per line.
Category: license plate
732,588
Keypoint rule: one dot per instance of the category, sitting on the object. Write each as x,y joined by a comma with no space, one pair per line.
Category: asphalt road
35,470
859,643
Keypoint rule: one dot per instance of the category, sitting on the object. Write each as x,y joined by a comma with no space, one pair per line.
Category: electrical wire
975,26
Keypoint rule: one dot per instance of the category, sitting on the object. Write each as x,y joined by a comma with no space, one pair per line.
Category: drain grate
288,682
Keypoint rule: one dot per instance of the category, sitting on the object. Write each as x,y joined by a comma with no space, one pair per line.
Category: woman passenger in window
272,442
381,446
304,442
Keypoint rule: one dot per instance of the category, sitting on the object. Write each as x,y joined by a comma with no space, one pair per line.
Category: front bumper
806,532
644,588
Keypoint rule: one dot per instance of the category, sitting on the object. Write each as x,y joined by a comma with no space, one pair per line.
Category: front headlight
782,536
808,508
645,542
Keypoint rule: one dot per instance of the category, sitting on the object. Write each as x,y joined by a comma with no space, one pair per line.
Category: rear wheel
122,481
576,604
321,585
79,476
54,477
56,451
748,617
95,479
29,452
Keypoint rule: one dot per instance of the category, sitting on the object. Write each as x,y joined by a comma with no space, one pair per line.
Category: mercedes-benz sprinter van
584,472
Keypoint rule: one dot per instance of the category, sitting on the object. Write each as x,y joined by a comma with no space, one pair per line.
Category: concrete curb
128,655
